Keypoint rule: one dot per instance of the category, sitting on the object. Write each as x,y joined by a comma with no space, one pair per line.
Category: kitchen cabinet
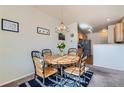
111,34
82,36
119,32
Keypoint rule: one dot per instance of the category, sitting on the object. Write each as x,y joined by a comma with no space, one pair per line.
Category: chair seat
74,70
48,72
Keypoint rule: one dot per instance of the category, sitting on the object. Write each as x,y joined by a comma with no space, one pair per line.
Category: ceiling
94,15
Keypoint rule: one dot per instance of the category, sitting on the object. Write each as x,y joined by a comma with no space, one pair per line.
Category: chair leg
35,76
43,81
56,78
84,80
65,75
79,81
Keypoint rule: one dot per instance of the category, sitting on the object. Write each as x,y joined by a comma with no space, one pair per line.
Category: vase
61,52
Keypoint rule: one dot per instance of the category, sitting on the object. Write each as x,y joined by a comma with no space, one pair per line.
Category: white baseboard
108,68
16,79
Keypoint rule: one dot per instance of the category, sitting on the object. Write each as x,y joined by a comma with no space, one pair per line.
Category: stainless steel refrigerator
86,44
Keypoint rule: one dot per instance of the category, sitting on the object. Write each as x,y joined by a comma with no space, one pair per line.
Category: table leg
61,70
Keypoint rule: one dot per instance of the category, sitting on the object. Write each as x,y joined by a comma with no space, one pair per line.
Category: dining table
62,60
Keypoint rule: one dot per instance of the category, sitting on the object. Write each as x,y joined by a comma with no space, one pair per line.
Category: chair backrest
82,60
80,50
38,61
46,52
72,51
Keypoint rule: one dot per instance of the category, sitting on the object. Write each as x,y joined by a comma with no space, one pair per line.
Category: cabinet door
122,32
111,38
119,33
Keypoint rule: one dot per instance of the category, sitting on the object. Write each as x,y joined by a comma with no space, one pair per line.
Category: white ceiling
94,15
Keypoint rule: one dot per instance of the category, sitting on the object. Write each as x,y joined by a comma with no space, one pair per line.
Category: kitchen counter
109,56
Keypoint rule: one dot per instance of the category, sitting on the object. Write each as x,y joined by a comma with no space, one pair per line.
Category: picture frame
44,31
61,36
8,25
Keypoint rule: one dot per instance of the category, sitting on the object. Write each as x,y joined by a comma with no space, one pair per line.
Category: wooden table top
62,60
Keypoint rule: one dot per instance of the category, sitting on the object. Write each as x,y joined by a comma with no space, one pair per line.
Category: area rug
67,82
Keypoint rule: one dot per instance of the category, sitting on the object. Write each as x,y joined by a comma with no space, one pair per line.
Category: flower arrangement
61,47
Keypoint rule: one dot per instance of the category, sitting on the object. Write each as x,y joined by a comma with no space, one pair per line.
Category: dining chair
40,69
46,52
77,71
72,51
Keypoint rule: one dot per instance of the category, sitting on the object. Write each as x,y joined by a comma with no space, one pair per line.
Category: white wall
15,48
109,56
72,42
100,37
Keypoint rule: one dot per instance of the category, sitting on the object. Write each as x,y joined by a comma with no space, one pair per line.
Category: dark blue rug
67,82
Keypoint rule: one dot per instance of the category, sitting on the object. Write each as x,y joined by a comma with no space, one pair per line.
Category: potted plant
61,47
